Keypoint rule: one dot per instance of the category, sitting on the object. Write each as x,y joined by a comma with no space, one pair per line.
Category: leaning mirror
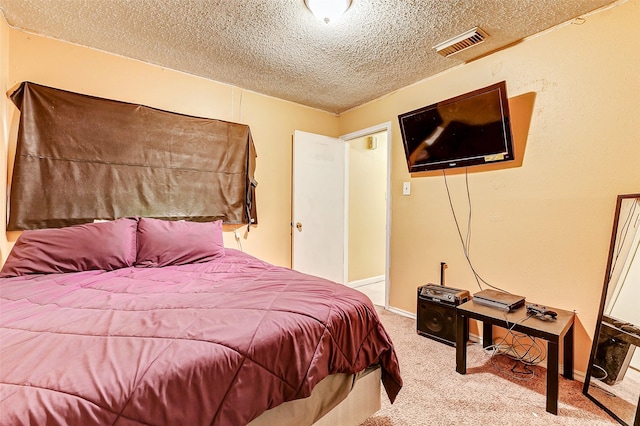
613,378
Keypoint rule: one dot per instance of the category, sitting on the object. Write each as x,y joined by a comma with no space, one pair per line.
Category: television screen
469,129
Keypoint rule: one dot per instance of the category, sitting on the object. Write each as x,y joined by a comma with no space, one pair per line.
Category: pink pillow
105,245
164,242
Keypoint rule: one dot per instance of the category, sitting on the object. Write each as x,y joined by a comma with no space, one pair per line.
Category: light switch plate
406,188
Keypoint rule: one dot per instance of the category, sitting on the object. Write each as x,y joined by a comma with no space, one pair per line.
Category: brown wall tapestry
80,158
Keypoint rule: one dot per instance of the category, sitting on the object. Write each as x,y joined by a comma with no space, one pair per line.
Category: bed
142,321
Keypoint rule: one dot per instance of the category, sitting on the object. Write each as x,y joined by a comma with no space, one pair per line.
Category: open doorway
368,212
346,180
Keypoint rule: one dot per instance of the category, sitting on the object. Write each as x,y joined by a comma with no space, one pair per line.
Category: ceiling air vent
461,42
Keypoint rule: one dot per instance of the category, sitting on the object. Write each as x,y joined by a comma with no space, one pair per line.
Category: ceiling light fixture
327,10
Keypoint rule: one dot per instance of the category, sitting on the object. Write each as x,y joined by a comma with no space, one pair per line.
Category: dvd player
498,299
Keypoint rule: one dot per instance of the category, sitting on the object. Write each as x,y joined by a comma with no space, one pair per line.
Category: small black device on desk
541,312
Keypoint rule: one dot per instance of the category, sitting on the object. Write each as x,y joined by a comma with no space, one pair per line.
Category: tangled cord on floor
525,350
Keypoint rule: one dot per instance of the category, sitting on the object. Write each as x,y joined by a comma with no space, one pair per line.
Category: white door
318,206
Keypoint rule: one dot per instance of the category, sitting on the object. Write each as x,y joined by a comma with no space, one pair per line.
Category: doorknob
299,226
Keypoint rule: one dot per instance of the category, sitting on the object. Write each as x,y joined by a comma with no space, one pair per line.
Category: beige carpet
434,394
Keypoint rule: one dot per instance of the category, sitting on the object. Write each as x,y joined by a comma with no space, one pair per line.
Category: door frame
383,127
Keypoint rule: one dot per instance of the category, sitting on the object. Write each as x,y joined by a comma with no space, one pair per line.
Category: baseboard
365,281
401,312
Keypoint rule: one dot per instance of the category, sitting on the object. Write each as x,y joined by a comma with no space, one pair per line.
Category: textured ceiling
276,47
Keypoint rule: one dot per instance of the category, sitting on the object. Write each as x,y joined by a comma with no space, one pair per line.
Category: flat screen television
467,130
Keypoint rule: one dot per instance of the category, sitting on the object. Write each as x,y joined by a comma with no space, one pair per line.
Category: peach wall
541,229
272,121
367,207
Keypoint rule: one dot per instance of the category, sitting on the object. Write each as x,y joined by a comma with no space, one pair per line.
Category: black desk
552,331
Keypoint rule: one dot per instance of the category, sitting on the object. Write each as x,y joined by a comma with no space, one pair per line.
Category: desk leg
552,377
462,335
568,354
487,334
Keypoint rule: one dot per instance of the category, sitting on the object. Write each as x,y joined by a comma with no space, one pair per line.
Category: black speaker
437,320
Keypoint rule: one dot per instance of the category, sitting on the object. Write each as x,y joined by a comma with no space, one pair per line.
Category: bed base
340,399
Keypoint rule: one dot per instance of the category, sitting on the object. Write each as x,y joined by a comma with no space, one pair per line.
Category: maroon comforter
211,343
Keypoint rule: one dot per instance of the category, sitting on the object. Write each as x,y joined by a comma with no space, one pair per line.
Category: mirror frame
605,287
